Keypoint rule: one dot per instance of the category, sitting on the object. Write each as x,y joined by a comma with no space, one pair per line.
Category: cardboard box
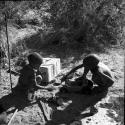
55,62
50,68
47,72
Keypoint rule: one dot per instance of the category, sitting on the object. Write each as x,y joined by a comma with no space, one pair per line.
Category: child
101,75
27,83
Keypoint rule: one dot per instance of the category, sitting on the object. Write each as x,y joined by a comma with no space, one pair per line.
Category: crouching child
101,76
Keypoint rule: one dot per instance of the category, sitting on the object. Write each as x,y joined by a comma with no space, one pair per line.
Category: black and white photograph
62,62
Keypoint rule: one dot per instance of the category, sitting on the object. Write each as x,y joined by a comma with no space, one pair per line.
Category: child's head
35,60
91,61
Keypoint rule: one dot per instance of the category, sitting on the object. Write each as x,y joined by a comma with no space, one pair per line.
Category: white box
47,72
50,68
55,62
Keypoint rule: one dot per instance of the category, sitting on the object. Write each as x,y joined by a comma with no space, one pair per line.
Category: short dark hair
35,58
91,61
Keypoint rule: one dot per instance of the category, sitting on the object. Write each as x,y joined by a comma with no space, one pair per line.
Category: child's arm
86,70
73,70
39,86
74,88
34,82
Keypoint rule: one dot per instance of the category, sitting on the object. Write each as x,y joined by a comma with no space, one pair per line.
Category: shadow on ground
75,109
59,116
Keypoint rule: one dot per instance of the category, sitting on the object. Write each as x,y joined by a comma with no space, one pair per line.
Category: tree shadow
74,110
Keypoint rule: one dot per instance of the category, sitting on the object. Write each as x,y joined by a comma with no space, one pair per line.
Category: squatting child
101,76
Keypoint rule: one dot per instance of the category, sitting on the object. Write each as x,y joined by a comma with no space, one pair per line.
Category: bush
18,49
88,22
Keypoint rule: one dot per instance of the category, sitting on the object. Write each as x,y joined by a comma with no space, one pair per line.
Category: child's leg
99,90
102,92
73,89
87,90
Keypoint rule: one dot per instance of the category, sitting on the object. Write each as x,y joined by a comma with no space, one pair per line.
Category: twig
13,72
14,114
8,47
42,109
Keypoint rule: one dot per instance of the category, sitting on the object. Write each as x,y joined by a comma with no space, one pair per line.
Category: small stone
89,119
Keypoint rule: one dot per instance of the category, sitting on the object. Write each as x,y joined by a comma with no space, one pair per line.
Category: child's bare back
102,75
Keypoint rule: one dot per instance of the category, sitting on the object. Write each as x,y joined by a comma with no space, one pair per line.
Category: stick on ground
14,114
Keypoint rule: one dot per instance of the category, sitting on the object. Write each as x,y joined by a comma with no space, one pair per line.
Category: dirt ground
76,106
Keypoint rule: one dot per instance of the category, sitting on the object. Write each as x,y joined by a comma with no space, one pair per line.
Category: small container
47,72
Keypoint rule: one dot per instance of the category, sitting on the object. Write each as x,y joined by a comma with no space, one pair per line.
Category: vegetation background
32,24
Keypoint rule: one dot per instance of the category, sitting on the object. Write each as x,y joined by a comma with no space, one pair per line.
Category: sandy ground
110,109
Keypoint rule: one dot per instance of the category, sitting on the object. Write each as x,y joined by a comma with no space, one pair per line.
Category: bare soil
110,108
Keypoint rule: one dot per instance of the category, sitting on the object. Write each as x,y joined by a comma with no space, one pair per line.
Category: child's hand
63,78
51,88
